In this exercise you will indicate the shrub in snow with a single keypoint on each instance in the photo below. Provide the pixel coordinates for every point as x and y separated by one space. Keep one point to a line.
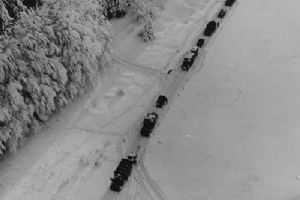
147 32
140 8
144 14
115 8
47 58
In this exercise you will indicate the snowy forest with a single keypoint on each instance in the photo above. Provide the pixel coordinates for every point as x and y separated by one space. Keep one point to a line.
52 51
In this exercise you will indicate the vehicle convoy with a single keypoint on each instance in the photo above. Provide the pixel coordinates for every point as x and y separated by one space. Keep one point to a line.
148 124
161 101
124 169
229 2
122 173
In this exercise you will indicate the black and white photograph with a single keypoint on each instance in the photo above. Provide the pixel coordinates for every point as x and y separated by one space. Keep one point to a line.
149 100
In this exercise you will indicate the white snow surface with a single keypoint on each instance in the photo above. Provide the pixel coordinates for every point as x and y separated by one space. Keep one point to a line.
77 151
233 133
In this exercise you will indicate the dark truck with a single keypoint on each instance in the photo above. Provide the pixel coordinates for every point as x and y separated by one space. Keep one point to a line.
148 124
210 28
200 42
122 173
222 13
229 3
161 101
189 59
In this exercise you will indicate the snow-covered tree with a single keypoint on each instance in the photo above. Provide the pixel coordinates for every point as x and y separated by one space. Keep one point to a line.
32 3
147 32
82 41
4 17
9 10
47 57
144 14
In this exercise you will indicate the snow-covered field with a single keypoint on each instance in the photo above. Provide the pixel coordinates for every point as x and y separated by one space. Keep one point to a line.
233 133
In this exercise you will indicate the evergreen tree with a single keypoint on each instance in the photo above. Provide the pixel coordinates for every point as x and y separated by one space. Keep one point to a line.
148 34
144 14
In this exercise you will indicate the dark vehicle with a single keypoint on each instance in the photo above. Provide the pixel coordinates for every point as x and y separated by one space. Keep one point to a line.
195 51
210 28
229 3
222 13
189 59
161 101
200 43
132 157
187 63
122 173
148 124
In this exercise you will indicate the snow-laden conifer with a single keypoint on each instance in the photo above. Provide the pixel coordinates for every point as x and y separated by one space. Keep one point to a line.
47 57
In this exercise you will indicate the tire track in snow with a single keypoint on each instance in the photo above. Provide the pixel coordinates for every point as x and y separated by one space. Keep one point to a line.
155 72
147 180
87 131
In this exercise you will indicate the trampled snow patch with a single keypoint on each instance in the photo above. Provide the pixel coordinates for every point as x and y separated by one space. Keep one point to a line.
123 93
130 91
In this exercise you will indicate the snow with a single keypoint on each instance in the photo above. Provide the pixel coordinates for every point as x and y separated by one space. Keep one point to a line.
177 27
233 131
74 158
128 91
